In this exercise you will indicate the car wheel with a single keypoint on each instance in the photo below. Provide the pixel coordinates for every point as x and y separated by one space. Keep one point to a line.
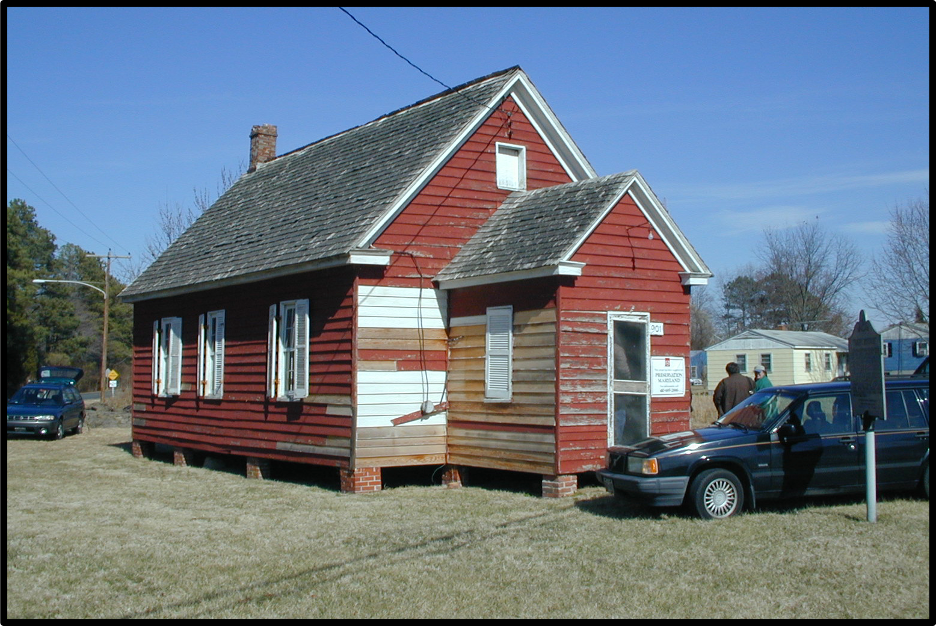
80 427
717 494
59 430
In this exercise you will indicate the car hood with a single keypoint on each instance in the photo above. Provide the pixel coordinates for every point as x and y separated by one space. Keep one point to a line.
700 438
32 409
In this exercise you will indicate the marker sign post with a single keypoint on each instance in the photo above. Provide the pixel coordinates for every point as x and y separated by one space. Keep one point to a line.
866 365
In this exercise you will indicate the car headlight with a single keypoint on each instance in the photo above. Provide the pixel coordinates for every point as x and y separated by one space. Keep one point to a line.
637 465
44 418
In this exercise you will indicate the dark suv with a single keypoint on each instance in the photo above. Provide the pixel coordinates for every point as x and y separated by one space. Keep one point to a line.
48 406
781 442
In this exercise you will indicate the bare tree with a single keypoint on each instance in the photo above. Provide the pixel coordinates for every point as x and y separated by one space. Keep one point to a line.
899 278
174 219
702 331
810 272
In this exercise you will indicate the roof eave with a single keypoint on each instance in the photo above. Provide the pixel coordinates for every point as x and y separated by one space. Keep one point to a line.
359 257
562 268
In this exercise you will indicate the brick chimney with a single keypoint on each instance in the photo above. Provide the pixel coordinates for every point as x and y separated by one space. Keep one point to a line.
262 145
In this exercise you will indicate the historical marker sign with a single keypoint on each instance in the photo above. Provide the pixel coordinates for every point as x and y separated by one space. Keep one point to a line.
866 365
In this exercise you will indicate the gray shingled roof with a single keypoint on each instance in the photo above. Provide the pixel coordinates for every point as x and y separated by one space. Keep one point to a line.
535 229
319 201
754 338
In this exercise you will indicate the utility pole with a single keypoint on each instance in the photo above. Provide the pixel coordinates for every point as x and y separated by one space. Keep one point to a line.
107 268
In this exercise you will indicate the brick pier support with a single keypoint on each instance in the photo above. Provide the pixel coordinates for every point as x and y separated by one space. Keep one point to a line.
142 449
455 476
361 480
258 468
560 486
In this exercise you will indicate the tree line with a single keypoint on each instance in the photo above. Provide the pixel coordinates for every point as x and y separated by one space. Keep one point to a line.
805 275
57 323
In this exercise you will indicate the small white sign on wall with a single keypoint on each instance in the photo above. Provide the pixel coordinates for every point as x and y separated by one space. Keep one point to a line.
667 376
656 328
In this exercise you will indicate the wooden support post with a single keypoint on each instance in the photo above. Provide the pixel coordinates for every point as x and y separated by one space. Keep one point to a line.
455 476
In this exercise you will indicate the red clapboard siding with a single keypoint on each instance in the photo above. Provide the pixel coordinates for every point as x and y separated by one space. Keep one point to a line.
243 421
624 269
461 196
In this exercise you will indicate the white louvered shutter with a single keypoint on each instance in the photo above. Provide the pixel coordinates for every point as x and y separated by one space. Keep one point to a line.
202 385
272 354
302 349
172 339
217 339
156 374
498 364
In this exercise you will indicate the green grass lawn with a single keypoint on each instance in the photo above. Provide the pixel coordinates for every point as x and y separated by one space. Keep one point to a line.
93 532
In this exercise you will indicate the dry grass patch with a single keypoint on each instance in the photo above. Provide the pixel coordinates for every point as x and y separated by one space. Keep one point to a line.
93 532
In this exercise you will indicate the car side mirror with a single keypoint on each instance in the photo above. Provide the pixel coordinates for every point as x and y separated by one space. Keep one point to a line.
790 433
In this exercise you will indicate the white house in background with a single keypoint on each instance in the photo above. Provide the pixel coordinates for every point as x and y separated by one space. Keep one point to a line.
789 356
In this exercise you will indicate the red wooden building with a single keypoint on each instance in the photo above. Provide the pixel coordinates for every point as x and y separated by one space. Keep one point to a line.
450 284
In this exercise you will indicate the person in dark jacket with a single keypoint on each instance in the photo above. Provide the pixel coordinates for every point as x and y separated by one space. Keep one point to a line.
732 389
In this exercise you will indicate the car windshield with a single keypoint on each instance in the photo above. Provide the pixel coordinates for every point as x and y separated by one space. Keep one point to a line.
759 410
40 396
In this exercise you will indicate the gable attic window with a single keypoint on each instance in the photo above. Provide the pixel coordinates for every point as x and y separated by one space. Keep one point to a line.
288 351
211 354
498 354
511 167
167 357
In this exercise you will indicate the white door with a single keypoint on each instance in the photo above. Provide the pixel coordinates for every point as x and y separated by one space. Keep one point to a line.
628 372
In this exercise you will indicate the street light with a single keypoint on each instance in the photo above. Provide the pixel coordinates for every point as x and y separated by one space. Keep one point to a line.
106 315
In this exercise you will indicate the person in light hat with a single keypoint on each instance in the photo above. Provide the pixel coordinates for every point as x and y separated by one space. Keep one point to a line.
760 379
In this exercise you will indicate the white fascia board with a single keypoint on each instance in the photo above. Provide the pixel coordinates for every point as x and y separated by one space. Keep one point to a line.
692 279
370 256
540 115
355 257
562 268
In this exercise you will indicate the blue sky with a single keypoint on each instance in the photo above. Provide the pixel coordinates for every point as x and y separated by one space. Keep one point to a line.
738 118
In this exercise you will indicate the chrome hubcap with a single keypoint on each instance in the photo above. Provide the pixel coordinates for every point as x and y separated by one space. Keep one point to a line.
721 498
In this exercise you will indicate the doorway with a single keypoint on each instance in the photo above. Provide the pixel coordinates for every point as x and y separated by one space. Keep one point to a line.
628 371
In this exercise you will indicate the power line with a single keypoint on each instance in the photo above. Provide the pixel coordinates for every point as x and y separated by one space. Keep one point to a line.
63 195
421 70
78 228
389 47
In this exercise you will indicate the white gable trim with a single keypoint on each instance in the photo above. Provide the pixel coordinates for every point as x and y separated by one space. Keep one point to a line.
537 111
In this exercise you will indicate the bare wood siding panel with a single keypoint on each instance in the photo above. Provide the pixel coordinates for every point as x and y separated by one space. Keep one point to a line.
517 435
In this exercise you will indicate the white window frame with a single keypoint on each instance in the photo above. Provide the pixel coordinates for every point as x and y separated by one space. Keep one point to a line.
211 355
766 361
167 357
510 161
827 361
741 360
288 351
920 348
498 354
807 361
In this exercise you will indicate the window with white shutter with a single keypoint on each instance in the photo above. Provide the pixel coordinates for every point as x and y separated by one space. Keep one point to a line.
167 356
211 355
498 365
288 351
511 167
